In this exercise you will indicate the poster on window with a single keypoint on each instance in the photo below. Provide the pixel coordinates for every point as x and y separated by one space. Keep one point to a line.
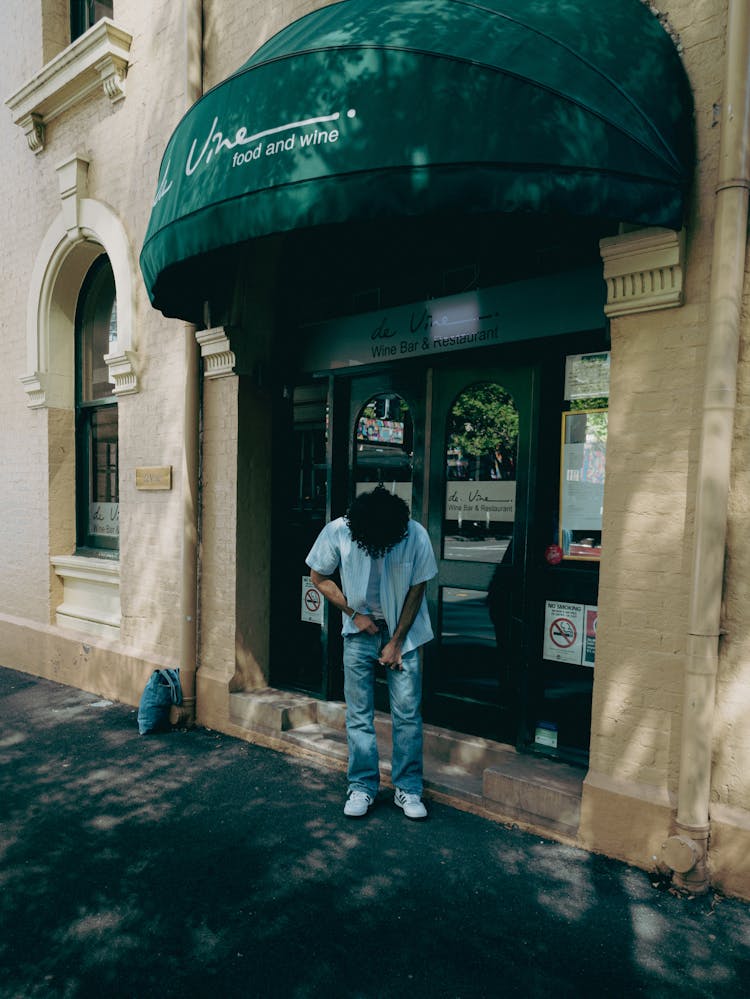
312 602
583 486
582 475
570 633
591 615
563 632
587 376
104 519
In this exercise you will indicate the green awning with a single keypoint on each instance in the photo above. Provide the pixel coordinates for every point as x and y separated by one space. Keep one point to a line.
380 110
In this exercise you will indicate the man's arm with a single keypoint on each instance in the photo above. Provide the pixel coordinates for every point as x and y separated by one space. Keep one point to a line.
334 596
391 654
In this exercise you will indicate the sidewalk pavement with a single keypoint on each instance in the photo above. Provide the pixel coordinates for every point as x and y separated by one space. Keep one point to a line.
192 864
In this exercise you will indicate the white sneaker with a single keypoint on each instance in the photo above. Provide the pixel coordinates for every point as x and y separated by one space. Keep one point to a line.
357 804
411 804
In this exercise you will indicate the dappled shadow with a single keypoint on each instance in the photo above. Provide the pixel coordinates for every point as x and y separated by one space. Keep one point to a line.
645 566
190 862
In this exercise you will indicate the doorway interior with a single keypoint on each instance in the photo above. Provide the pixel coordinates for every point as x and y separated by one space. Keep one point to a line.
472 443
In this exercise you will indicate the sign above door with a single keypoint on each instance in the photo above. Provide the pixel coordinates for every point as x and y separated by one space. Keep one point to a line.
523 310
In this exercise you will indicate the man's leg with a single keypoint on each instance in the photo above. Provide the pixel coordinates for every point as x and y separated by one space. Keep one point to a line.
360 655
405 689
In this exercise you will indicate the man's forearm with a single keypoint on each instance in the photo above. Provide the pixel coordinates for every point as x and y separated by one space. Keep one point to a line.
409 611
330 591
333 594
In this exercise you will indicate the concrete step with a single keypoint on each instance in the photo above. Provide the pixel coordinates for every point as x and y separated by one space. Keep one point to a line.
272 710
466 771
538 791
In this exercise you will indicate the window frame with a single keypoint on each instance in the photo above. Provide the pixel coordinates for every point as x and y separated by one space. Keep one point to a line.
81 17
85 416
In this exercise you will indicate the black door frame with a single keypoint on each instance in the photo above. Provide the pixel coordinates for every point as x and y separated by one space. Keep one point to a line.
539 580
500 721
350 391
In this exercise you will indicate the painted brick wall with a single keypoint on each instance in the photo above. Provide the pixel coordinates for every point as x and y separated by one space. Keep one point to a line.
124 144
219 525
657 385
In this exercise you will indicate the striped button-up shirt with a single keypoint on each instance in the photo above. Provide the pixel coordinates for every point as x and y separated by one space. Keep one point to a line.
408 563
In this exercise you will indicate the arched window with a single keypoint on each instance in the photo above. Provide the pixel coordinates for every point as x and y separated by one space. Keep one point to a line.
384 445
85 13
97 469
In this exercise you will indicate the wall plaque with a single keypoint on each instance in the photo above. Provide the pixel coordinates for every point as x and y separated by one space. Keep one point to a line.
154 477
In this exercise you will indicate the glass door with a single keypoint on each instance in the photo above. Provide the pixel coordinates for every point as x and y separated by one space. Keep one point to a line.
480 446
301 487
386 420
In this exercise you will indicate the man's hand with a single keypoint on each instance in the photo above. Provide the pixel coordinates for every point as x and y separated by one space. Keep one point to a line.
332 593
390 655
363 622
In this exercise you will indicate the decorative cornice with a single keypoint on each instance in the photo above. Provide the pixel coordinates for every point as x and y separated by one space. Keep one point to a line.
36 392
99 58
123 372
33 128
643 270
216 351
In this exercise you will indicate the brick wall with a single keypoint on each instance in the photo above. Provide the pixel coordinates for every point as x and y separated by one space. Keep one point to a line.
657 385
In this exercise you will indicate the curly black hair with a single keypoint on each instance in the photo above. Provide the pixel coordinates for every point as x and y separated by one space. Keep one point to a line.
378 520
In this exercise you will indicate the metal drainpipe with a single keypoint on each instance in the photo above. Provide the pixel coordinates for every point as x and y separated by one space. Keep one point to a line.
687 851
193 38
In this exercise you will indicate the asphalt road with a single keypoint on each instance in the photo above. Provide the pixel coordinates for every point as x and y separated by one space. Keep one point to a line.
192 864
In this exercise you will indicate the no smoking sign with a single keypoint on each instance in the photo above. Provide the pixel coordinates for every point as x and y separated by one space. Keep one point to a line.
563 633
312 602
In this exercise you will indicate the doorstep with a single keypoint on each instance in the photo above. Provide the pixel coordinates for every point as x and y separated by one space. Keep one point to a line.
464 771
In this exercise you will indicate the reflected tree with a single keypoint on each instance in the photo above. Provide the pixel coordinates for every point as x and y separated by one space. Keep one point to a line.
483 426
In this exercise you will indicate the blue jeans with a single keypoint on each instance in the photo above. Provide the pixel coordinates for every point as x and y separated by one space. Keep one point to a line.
405 690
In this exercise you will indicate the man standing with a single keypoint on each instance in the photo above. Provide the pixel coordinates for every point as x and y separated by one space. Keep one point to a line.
385 560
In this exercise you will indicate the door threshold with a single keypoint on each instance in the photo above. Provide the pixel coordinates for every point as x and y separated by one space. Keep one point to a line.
464 771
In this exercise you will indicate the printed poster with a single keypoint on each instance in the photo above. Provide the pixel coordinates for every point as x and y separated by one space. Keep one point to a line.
589 641
570 633
563 632
312 602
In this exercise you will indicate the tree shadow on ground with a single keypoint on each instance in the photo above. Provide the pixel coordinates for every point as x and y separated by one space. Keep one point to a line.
191 863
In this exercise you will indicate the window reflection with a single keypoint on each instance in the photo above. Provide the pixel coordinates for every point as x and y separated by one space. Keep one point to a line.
466 619
480 472
384 445
468 665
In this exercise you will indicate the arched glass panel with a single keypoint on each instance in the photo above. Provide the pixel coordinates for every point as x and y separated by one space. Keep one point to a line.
384 445
97 436
97 310
480 471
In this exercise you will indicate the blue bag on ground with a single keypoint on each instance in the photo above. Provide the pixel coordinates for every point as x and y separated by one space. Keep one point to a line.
160 693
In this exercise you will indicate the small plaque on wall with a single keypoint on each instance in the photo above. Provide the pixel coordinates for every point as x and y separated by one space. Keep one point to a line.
155 477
